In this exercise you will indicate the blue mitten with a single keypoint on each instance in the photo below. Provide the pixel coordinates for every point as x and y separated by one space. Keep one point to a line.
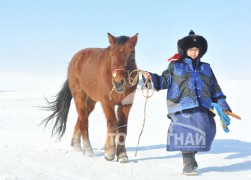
224 119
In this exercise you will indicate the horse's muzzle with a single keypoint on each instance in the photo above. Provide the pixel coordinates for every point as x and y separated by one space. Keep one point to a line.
119 86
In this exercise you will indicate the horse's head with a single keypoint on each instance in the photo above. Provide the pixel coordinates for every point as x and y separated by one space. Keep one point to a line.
122 53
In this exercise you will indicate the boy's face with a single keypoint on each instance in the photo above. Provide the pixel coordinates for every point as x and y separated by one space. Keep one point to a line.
193 52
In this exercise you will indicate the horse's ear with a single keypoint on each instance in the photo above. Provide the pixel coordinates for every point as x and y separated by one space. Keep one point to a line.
134 39
111 38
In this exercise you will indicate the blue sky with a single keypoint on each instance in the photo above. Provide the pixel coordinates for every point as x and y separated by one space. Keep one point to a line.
42 36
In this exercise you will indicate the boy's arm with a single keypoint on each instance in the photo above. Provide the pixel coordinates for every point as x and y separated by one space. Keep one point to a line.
217 94
163 81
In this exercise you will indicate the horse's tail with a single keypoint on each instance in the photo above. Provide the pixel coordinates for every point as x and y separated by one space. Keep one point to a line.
60 108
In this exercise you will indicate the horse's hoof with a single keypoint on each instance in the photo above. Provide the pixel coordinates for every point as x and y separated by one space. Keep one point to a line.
109 157
77 148
110 153
89 152
76 145
123 158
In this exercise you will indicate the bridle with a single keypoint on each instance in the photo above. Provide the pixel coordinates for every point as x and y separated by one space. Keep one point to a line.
127 81
131 81
114 71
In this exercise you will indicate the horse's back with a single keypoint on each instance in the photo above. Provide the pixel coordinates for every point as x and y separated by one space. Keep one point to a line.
88 54
85 68
87 59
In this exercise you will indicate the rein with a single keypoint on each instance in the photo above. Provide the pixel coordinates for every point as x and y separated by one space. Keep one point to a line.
132 82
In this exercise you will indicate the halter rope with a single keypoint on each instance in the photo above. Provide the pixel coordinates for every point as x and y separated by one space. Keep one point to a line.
132 82
147 96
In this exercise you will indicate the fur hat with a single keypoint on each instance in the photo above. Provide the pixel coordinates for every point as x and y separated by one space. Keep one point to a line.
190 41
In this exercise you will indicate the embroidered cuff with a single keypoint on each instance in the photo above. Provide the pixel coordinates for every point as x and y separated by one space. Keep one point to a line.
223 104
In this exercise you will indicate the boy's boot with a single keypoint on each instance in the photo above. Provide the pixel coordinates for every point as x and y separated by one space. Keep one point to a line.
194 161
188 162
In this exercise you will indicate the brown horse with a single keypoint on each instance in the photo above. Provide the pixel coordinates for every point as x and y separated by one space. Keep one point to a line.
98 74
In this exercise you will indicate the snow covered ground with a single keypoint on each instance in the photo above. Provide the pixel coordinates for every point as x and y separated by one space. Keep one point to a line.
27 151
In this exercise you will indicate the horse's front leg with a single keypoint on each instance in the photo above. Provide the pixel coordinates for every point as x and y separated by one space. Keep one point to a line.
112 123
122 113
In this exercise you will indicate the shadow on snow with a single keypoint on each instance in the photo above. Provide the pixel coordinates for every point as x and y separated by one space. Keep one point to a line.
237 150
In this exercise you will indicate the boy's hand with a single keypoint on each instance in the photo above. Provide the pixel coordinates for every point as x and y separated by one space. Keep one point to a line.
146 75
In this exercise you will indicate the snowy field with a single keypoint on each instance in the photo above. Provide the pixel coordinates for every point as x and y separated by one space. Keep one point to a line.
27 151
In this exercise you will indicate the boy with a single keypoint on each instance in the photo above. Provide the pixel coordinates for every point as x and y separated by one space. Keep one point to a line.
192 87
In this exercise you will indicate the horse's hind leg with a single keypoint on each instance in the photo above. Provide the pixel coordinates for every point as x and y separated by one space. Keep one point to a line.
90 105
76 139
84 106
